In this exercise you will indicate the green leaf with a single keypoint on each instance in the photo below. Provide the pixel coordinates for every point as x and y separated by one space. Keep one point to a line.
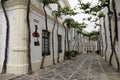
47 2
101 14
89 18
85 6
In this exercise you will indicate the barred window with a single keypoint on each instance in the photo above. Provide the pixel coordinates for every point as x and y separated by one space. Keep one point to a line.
59 44
45 43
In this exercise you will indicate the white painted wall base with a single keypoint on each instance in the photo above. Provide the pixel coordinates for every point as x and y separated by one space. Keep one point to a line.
22 69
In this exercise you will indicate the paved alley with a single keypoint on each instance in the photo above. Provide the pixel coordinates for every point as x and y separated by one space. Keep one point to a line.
84 67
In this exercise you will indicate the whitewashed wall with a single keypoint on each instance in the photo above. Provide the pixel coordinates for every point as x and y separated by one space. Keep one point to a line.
117 2
37 50
107 29
17 55
3 35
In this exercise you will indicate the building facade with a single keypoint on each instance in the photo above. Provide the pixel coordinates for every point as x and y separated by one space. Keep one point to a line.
17 51
115 34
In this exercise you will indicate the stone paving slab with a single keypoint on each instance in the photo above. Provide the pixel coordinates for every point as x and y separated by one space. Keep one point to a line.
84 67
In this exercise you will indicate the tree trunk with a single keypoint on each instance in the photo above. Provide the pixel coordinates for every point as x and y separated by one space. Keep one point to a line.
78 46
105 37
116 57
112 45
4 68
116 35
112 52
65 44
29 39
78 42
110 40
53 41
44 56
68 41
89 45
81 43
74 47
58 56
101 41
101 45
98 46
116 21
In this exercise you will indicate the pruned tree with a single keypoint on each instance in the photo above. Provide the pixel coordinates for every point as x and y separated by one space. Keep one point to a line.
65 11
69 22
46 3
56 14
29 39
78 27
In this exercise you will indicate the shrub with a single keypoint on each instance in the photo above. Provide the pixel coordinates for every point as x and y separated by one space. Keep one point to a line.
70 54
67 54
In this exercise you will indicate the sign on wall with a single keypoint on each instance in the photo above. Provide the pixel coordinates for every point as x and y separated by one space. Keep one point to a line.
36 36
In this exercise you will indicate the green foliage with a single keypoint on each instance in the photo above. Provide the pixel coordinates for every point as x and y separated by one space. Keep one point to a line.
68 21
96 19
47 2
56 13
103 2
87 11
85 6
72 24
94 26
89 18
63 11
67 11
68 53
95 9
84 19
97 24
94 13
101 14
72 53
91 35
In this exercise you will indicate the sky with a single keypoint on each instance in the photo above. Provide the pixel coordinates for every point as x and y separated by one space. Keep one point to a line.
79 17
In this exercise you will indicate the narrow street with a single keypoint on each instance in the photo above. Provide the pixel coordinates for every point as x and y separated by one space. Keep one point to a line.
84 67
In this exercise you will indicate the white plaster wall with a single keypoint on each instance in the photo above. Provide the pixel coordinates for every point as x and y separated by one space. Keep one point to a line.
108 35
3 35
36 51
107 28
102 33
118 16
17 59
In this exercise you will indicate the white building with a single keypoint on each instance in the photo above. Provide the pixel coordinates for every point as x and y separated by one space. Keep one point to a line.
114 8
17 54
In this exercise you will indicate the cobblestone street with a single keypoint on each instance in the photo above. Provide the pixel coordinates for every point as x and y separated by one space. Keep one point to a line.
84 67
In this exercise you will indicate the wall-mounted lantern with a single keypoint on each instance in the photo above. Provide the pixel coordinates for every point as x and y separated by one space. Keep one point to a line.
36 36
